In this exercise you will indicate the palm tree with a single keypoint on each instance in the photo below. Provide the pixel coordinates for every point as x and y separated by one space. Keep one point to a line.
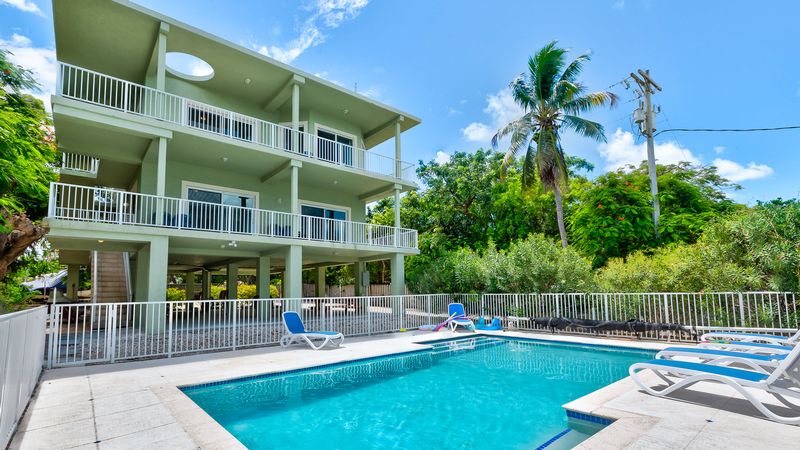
552 99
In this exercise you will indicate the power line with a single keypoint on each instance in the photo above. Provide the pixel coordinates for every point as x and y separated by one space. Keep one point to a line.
711 130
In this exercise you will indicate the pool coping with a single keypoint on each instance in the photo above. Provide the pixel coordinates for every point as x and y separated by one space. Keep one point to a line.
208 433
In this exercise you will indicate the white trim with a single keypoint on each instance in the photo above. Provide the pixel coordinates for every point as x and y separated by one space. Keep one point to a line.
323 127
302 123
185 185
331 206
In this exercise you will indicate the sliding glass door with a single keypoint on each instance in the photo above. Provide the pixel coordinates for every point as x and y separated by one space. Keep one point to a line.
324 223
334 147
219 210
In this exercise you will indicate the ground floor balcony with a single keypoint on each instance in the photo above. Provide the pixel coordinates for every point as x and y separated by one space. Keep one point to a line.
110 206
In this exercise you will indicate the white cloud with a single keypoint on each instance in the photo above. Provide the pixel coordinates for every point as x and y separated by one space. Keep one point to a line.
621 150
442 157
23 5
735 172
41 61
619 4
327 15
502 110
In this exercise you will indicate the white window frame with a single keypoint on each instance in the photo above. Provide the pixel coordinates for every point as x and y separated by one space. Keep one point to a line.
323 127
185 185
345 209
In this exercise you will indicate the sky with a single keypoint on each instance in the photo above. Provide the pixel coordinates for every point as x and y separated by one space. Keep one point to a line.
721 64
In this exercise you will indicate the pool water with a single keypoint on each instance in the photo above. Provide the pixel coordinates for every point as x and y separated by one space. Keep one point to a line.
474 393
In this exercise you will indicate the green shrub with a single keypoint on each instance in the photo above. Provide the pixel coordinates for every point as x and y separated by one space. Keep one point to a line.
176 294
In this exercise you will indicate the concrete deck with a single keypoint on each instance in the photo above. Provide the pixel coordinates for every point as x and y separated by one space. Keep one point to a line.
139 405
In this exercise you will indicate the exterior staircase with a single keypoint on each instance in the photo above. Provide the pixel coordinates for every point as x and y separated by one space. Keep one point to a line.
111 277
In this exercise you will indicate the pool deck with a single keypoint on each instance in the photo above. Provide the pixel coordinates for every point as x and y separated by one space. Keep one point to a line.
138 404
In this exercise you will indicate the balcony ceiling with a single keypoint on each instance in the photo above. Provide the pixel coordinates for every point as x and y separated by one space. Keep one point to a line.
118 37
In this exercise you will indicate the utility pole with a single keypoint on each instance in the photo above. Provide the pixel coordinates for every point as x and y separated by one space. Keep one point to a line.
646 84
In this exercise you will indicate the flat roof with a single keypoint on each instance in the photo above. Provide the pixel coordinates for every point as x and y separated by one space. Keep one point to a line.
118 37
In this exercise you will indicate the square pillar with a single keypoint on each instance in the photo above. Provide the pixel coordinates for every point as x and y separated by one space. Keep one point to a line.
293 279
73 281
189 285
294 191
151 284
262 277
206 285
320 284
397 263
397 151
233 281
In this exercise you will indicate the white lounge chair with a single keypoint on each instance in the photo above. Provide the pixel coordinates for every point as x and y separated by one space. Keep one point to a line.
783 382
772 339
717 357
747 347
296 332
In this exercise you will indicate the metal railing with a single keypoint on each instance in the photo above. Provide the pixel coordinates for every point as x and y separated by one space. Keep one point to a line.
103 205
108 332
99 89
79 163
22 349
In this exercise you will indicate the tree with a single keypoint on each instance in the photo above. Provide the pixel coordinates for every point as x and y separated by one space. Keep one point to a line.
551 98
613 217
27 157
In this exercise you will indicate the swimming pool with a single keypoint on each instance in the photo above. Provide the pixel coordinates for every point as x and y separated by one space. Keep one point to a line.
481 392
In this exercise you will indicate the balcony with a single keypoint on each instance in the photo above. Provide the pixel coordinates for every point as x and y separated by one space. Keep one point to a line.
121 95
79 165
102 205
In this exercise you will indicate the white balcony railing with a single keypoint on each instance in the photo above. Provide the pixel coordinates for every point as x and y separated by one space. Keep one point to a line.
79 163
104 90
103 205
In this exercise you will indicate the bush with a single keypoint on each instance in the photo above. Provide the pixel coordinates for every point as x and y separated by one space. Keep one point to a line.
176 294
536 264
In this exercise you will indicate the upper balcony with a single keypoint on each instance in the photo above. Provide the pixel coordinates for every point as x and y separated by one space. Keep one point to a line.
122 208
103 90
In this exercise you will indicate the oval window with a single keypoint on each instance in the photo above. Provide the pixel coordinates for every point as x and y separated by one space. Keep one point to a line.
189 66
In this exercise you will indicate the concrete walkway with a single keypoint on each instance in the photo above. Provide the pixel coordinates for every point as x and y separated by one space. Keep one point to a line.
138 404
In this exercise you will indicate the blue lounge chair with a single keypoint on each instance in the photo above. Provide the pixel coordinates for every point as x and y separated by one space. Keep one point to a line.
460 319
752 337
782 383
753 361
296 332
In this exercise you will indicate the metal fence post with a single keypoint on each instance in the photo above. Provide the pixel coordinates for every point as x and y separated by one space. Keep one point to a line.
428 307
111 335
369 316
605 307
666 314
169 332
741 310
235 329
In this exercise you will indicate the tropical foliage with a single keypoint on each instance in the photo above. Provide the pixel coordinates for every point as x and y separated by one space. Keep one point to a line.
552 99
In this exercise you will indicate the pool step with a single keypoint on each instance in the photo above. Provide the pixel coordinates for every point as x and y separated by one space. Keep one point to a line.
462 345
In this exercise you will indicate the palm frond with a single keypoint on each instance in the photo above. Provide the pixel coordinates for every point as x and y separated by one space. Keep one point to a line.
521 123
584 127
575 68
548 64
529 166
589 101
521 92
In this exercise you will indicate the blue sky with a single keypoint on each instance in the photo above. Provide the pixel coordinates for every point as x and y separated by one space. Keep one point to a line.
722 64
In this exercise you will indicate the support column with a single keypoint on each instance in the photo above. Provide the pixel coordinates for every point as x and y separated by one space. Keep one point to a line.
189 285
161 167
233 281
161 56
293 279
397 216
262 277
151 283
73 281
359 269
398 157
294 191
397 262
320 283
206 285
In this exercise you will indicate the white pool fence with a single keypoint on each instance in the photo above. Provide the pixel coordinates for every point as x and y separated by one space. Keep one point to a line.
109 332
22 346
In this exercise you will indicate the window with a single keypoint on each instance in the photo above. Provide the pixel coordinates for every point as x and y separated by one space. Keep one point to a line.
321 229
334 147
216 209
